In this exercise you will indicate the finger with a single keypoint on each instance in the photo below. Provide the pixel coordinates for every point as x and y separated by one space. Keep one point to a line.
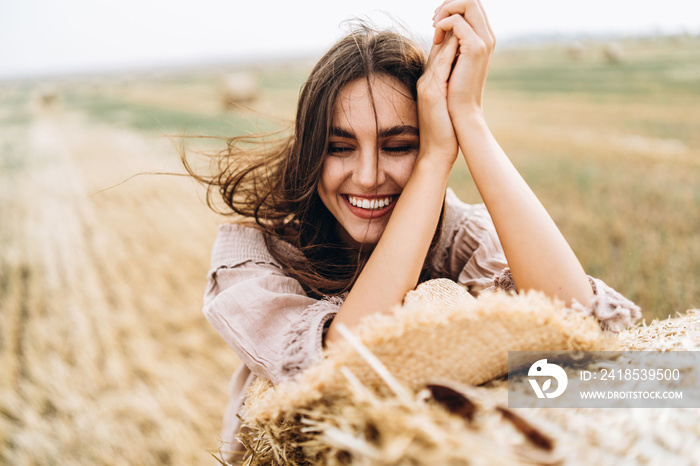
468 40
437 10
434 50
442 27
445 57
488 23
439 36
442 53
473 13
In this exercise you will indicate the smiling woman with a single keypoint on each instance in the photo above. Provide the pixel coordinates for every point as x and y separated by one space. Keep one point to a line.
352 211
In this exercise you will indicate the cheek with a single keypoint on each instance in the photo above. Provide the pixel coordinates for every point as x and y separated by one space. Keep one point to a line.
333 173
402 170
332 176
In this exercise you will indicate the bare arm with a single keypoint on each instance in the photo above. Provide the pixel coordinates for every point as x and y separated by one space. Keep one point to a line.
538 255
449 104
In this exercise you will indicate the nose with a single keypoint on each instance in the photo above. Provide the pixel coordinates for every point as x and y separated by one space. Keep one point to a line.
368 173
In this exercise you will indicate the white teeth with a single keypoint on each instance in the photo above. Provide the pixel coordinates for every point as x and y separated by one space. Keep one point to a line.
368 204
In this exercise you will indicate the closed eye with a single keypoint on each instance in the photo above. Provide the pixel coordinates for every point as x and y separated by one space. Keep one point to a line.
399 150
334 149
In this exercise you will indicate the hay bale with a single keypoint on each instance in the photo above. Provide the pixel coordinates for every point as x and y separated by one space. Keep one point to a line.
423 429
46 99
681 333
576 51
466 343
237 88
613 53
327 412
403 391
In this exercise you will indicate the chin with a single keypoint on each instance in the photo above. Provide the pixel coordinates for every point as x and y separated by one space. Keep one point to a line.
367 238
367 241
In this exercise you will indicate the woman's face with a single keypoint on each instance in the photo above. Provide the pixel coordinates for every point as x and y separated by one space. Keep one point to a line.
370 157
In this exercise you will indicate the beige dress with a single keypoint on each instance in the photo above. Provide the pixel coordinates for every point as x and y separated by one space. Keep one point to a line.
277 330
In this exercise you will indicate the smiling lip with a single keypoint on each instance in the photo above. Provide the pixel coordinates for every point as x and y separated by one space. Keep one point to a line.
370 213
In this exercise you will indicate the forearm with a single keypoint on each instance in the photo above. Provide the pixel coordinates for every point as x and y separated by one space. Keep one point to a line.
538 255
396 262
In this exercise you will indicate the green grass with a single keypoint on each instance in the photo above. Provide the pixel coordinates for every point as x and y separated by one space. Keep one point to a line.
15 104
113 108
290 79
646 71
151 118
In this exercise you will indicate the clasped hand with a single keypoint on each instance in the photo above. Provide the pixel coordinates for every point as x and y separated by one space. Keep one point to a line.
452 85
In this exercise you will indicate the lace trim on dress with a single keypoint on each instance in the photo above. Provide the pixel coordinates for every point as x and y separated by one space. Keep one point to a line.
503 281
613 311
304 341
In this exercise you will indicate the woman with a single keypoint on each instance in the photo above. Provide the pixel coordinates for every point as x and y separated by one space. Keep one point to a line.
352 211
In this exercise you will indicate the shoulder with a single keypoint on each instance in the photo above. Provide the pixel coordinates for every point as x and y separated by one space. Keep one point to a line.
240 257
237 244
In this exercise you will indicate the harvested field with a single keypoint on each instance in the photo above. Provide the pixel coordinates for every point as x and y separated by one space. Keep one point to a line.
105 357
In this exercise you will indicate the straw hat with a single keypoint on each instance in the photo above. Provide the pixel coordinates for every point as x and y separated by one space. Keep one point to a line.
439 333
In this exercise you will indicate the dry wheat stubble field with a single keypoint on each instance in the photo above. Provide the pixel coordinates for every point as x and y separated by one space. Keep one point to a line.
104 355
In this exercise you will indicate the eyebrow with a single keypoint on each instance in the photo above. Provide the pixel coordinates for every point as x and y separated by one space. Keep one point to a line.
398 130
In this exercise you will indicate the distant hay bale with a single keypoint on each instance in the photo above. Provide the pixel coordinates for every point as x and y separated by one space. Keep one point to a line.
576 51
239 88
406 408
46 99
613 53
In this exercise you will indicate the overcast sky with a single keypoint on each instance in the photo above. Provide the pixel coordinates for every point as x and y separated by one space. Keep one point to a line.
43 37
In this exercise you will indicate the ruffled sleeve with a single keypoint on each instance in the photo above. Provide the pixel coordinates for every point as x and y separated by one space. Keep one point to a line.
261 313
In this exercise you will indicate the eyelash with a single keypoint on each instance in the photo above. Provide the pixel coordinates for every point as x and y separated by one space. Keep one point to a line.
399 149
395 150
338 150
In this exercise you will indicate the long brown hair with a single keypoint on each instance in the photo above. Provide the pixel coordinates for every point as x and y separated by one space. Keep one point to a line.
272 181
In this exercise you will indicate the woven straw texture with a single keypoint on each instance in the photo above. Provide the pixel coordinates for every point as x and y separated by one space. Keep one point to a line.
421 403
453 337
